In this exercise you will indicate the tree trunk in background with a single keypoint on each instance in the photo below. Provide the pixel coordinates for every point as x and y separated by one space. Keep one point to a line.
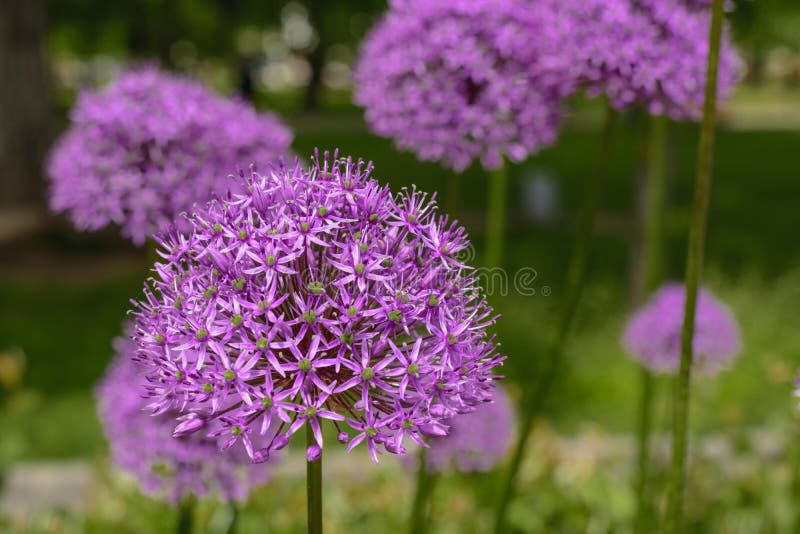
24 114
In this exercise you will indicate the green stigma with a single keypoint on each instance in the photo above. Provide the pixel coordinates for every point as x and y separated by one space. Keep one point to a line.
395 316
304 226
352 311
179 374
311 411
362 247
408 423
271 259
367 373
322 210
218 228
242 234
210 292
359 268
201 334
346 184
371 431
412 217
159 338
388 262
266 402
263 305
304 364
236 430
433 300
228 374
262 343
315 288
347 338
238 284
373 217
208 388
452 339
310 316
413 369
236 320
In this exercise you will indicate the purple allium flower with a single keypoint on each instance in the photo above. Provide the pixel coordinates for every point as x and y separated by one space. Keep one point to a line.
149 146
477 441
648 52
143 445
653 335
459 80
317 296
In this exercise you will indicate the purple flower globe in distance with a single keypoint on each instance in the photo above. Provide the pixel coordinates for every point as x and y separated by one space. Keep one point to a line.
653 335
316 296
639 52
143 445
458 80
149 146
477 441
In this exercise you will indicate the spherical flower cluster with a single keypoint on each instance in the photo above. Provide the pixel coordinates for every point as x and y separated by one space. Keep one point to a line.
653 334
459 80
143 445
477 441
639 52
149 146
316 296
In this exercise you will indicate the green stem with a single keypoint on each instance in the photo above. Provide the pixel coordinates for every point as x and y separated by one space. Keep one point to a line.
496 216
642 524
536 396
651 265
186 515
233 525
453 193
694 264
419 511
314 488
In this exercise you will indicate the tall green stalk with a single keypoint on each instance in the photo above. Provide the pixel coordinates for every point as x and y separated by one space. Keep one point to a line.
535 396
420 515
186 515
651 268
496 216
694 264
314 488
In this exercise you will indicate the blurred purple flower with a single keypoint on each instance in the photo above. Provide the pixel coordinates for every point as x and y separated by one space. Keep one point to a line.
143 445
653 335
459 80
149 146
477 441
316 296
638 52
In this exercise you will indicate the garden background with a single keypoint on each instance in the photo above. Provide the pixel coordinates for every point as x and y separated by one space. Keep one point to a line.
64 294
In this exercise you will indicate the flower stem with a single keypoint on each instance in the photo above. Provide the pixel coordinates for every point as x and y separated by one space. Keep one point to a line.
419 515
314 488
535 396
694 264
453 193
496 216
233 525
186 515
651 268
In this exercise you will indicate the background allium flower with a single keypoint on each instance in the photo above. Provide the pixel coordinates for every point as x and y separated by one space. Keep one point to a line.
318 296
653 334
149 146
647 52
143 445
477 441
458 80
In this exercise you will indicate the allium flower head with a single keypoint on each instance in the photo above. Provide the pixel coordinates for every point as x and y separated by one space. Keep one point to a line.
143 445
477 441
317 296
653 334
149 146
459 80
639 52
